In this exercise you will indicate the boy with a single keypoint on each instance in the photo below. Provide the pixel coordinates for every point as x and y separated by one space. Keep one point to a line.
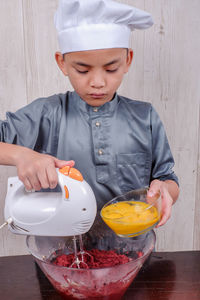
117 144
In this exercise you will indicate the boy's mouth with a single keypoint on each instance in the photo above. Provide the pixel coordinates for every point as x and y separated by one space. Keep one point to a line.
97 96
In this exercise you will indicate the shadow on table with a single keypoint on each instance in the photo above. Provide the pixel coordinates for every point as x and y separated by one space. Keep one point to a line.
155 281
47 291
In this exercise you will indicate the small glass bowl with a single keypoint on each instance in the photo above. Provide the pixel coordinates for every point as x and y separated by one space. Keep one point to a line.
133 213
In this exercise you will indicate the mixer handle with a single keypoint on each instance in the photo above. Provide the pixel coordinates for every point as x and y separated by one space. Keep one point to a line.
70 172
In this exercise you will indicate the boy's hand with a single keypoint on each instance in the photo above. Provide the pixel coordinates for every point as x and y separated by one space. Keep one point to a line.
166 199
37 170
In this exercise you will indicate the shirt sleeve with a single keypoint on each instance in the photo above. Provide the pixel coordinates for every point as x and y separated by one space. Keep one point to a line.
162 159
34 126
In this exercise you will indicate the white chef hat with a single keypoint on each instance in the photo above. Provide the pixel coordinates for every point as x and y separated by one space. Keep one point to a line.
97 24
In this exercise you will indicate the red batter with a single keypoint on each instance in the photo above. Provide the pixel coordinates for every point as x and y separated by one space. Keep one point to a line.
101 282
95 259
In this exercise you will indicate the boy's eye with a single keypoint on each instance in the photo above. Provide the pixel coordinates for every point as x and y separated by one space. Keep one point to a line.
111 71
81 72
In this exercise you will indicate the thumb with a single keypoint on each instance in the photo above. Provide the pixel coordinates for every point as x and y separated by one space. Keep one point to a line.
62 163
154 190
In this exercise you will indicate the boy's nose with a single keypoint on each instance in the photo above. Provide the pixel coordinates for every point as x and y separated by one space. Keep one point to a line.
97 81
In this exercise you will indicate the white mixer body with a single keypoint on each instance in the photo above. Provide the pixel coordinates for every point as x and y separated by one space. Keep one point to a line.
67 213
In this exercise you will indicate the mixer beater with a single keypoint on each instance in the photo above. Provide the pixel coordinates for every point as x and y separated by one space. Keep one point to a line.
79 255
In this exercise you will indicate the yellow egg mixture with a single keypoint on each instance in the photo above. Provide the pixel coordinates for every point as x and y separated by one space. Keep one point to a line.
130 217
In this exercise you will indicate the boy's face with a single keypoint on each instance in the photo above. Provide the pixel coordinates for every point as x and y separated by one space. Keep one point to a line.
96 74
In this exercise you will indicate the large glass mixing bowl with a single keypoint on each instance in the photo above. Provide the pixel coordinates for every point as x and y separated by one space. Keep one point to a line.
106 283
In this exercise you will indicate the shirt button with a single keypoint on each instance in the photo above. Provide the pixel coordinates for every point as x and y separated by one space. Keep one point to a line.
95 109
100 151
97 124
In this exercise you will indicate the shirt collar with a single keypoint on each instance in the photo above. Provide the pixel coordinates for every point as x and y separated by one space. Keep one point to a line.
108 107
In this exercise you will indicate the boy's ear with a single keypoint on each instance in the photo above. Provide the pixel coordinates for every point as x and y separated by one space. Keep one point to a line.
61 62
129 59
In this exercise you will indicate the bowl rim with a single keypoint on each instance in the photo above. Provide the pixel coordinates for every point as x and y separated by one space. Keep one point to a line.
94 269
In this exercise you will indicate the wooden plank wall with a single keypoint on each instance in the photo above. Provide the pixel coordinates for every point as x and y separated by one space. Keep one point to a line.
165 71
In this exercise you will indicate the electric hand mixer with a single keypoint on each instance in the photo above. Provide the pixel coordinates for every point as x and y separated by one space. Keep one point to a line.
69 213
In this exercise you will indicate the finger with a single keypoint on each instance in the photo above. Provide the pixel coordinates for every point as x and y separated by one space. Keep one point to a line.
63 163
34 181
166 212
52 176
27 184
43 179
165 217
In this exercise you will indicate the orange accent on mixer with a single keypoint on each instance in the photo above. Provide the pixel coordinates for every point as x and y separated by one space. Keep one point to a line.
72 173
75 174
65 170
66 192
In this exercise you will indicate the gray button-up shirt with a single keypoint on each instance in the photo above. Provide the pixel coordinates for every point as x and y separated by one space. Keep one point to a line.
118 146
